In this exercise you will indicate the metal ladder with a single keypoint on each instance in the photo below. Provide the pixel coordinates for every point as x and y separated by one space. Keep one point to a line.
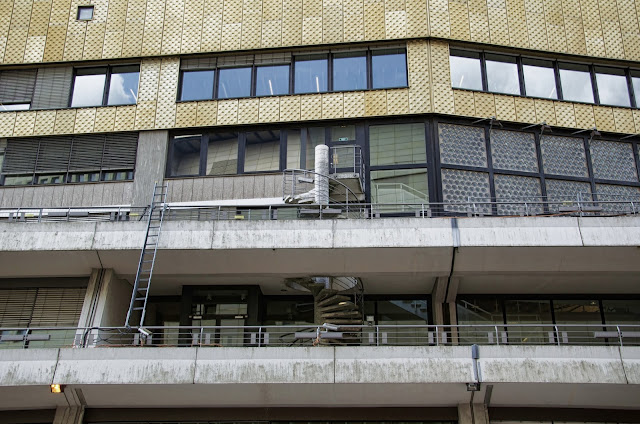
141 287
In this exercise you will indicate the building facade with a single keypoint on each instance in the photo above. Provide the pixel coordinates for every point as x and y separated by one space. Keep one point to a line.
364 211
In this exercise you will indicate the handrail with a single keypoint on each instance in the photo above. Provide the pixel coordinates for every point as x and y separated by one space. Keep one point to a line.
305 335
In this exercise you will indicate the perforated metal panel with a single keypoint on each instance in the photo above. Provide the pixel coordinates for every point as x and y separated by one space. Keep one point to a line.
610 197
513 188
613 161
560 190
465 186
515 151
563 156
462 145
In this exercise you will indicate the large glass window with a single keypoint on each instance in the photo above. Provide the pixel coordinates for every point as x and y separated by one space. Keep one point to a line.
621 311
480 311
311 73
407 188
197 85
262 151
90 86
349 71
234 82
539 78
502 74
222 154
397 144
389 68
123 86
528 312
315 137
612 87
576 83
465 70
272 80
294 149
185 159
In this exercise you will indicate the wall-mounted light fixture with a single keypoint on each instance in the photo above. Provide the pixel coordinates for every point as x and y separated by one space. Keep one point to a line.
57 388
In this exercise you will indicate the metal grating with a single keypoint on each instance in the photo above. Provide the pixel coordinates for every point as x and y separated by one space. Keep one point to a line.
464 186
563 156
462 145
515 151
517 189
613 161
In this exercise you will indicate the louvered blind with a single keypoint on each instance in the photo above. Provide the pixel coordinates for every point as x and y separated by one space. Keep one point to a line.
86 153
42 307
78 153
120 151
53 155
17 86
20 155
53 87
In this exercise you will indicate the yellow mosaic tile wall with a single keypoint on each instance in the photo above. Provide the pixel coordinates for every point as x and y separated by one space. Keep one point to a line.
429 92
47 30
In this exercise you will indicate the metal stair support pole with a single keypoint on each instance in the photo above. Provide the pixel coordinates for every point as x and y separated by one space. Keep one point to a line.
142 284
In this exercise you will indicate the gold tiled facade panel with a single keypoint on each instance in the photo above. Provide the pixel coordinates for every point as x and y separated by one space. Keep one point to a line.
47 30
248 110
166 106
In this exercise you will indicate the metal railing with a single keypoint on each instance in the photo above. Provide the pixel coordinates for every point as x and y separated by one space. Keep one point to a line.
312 335
471 208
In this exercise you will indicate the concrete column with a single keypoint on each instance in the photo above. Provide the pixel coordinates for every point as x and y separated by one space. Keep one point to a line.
322 168
151 160
438 298
113 301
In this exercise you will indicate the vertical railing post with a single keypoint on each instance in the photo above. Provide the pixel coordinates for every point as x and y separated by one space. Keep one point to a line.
377 336
201 336
619 335
497 336
555 327
260 337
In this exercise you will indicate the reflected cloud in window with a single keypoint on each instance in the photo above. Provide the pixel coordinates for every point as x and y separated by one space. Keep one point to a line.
612 87
539 79
576 83
123 88
502 74
88 90
465 71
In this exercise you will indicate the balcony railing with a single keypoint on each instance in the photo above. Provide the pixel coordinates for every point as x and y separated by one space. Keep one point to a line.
310 335
574 206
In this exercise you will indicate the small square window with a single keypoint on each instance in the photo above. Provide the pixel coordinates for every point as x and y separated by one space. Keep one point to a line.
85 13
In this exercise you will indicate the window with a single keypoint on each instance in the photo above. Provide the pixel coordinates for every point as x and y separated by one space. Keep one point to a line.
388 68
186 156
197 85
16 89
234 82
77 159
311 74
465 70
546 79
502 74
612 86
349 71
116 85
539 78
85 13
222 154
262 151
576 83
272 80
397 144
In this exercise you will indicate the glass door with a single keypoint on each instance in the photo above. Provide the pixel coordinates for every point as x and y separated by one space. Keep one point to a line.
214 309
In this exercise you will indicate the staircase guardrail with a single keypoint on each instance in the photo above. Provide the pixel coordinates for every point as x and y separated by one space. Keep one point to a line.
305 335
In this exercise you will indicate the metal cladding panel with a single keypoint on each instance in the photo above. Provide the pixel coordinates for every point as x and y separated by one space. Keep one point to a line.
52 88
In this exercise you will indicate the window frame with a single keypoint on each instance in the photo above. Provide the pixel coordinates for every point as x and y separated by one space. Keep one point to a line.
367 52
109 70
85 7
629 73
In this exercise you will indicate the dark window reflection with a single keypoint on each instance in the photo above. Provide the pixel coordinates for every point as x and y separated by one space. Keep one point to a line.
222 154
186 156
539 79
621 311
529 312
262 151
502 74
197 85
349 71
576 83
612 87
389 69
311 74
289 312
465 70
272 80
234 82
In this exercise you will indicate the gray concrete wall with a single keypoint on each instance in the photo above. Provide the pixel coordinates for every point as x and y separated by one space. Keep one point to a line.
325 376
66 195
224 188
151 159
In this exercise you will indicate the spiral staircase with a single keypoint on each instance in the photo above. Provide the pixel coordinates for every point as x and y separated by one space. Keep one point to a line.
337 303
